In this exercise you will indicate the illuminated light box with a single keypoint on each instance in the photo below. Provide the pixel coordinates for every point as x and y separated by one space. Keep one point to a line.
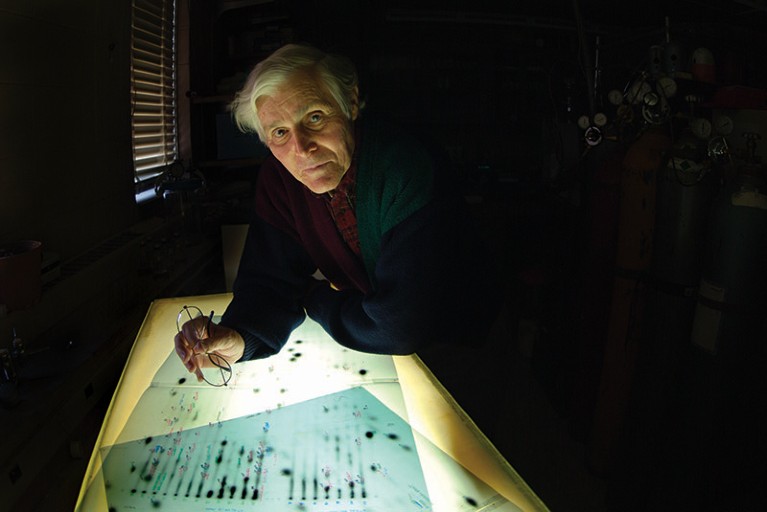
316 427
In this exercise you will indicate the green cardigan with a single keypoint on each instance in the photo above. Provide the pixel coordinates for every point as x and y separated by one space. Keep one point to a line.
390 188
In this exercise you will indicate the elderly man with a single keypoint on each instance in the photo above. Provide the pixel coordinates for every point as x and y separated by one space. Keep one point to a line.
354 226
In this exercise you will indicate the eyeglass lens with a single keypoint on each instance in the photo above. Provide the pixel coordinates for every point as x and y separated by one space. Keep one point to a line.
219 373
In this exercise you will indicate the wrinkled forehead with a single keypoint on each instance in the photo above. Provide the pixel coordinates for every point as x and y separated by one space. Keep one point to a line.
301 92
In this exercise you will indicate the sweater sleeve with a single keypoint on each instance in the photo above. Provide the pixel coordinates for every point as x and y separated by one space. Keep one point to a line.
432 286
272 278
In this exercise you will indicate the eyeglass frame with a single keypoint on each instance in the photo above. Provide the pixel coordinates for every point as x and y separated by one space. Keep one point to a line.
226 368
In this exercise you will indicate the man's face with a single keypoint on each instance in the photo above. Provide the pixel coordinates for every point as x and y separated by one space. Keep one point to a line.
307 131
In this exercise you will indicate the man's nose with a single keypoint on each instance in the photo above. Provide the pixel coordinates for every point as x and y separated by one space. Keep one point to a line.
304 142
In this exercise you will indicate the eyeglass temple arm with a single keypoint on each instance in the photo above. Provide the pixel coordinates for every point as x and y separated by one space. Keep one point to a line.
210 320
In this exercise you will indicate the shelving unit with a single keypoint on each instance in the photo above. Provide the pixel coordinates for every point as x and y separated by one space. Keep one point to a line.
228 38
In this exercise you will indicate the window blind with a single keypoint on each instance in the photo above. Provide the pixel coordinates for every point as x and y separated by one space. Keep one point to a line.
153 87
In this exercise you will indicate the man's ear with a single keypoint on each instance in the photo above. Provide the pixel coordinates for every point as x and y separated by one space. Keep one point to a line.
355 103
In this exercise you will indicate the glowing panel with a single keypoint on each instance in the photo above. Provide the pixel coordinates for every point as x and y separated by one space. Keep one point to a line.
315 427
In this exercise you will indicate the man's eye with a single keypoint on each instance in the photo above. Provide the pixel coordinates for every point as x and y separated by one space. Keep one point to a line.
279 133
315 117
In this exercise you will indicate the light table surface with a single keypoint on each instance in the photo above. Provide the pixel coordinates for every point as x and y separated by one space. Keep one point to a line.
315 427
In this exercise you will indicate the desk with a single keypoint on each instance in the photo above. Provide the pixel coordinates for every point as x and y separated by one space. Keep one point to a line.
315 427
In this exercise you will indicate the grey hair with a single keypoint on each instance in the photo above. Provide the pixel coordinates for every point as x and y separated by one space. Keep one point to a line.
336 72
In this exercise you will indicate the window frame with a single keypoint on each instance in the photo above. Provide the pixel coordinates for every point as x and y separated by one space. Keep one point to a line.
153 89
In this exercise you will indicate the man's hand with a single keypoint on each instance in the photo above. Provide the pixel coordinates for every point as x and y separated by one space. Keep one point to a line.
199 337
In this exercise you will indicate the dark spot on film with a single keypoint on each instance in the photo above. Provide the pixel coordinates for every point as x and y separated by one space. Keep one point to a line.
369 434
471 501
182 380
363 372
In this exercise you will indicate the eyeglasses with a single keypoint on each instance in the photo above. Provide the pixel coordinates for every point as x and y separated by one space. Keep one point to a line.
219 372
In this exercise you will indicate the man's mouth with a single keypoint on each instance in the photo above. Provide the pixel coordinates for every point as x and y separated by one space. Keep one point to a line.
314 168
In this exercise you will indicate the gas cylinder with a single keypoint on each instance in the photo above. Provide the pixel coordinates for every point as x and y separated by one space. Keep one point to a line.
600 230
724 385
731 293
685 190
643 160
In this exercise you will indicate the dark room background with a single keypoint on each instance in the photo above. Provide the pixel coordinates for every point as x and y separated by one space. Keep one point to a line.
497 87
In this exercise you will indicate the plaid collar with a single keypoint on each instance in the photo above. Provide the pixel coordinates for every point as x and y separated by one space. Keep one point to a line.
346 185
